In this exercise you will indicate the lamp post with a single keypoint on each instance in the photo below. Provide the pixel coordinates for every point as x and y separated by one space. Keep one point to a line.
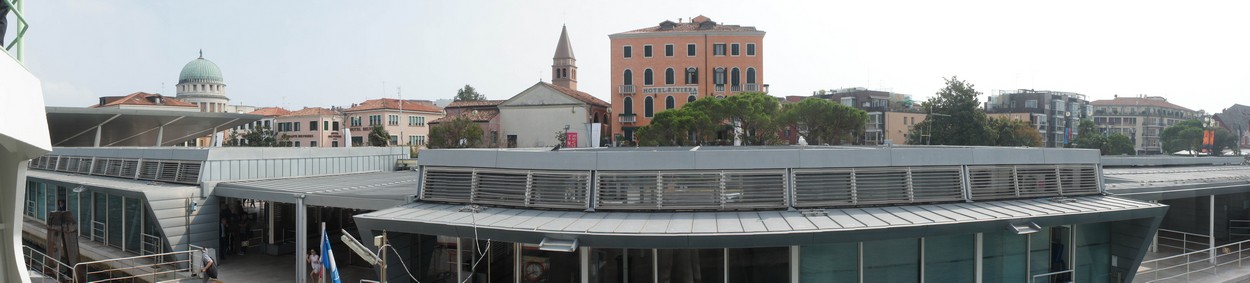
929 136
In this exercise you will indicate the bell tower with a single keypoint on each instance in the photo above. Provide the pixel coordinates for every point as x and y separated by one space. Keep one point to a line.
563 64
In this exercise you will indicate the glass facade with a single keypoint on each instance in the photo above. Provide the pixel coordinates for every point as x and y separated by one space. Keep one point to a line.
1005 257
112 219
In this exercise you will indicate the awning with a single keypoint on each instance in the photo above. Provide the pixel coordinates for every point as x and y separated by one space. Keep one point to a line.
76 127
372 191
1160 183
747 228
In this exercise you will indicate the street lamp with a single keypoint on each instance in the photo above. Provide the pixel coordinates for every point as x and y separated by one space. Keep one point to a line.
930 131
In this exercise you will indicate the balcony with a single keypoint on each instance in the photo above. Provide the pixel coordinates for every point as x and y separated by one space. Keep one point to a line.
751 87
736 88
628 118
628 89
720 87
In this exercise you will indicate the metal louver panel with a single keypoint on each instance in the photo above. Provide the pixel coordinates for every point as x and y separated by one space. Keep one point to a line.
823 187
1079 179
558 189
936 184
100 166
625 190
880 186
1037 180
128 168
992 182
502 187
690 190
150 170
755 189
188 172
447 184
169 171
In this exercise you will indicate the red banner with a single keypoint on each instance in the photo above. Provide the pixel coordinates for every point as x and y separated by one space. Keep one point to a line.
570 139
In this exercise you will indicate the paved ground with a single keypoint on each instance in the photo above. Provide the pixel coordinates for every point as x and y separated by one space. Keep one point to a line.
263 268
1199 269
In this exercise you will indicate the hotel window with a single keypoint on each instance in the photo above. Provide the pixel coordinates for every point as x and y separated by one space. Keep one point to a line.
750 49
392 120
692 75
296 124
334 143
629 77
647 78
312 144
629 51
325 125
312 125
646 51
718 76
690 50
416 121
669 102
734 78
375 120
335 124
750 75
718 49
648 107
297 144
733 49
629 106
668 50
691 98
668 76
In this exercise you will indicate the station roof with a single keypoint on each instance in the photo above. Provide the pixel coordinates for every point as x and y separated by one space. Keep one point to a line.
746 228
1158 183
371 191
76 127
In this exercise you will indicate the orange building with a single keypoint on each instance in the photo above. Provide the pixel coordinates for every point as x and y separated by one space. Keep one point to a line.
664 66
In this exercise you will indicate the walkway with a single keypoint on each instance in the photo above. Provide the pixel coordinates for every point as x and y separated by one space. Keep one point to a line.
263 268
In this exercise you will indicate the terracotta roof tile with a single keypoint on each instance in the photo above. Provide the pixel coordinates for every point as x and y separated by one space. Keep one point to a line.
1134 101
312 111
579 95
142 98
474 103
270 111
698 24
475 115
391 103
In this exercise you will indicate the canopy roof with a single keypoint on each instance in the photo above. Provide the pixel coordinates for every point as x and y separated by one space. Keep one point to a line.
76 127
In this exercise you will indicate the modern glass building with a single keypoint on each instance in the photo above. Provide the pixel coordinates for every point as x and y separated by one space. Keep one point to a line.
765 214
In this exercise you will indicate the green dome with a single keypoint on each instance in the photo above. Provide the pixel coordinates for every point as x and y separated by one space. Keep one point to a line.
200 70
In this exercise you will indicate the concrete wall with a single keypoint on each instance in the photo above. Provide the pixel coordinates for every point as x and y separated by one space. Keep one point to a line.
536 126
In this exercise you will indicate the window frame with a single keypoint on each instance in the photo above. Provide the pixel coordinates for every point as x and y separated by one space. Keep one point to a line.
735 49
750 49
719 49
648 77
648 107
692 50
648 51
669 50
670 76
627 51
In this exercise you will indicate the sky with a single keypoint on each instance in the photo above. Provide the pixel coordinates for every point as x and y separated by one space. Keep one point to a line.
295 54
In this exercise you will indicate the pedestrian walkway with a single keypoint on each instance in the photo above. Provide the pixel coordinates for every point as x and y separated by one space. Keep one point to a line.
1232 264
263 268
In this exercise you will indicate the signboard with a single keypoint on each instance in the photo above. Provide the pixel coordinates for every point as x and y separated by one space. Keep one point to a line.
671 89
570 139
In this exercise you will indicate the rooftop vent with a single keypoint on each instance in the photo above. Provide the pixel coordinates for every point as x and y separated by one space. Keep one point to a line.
667 25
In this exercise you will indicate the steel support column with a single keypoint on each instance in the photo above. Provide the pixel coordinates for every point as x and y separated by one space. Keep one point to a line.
1211 234
301 239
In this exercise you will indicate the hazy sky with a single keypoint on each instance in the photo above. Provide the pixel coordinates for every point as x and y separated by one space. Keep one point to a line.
323 53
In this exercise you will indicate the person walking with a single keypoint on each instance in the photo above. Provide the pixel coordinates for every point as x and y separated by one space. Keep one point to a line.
209 271
314 260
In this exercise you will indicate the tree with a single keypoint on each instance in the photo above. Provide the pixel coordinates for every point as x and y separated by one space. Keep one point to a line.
678 127
1011 132
457 133
1184 135
378 136
955 117
262 136
756 114
1108 144
468 93
821 121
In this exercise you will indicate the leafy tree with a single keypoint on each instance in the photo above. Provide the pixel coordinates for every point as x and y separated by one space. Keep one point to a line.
1011 132
1184 135
955 117
756 114
262 136
457 133
821 121
378 136
678 127
1112 144
468 93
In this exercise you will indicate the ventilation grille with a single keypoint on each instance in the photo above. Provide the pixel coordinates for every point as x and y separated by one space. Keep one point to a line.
1031 181
542 189
713 189
875 186
172 171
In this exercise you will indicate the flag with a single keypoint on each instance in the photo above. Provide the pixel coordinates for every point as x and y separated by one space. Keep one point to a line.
327 258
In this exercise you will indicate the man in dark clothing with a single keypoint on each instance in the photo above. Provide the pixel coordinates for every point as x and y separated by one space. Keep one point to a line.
4 20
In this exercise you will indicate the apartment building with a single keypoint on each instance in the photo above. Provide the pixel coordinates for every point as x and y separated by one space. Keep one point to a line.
405 120
1056 115
887 121
665 66
1142 118
311 127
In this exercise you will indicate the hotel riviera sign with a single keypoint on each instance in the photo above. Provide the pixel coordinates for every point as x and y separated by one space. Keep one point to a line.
671 89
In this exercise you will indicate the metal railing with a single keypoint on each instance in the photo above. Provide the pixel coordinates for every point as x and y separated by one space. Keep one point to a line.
152 244
48 266
1197 265
627 89
152 267
98 230
15 46
1240 228
1183 241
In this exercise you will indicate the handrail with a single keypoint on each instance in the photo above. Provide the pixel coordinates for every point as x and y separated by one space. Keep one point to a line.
58 268
1197 264
15 6
154 266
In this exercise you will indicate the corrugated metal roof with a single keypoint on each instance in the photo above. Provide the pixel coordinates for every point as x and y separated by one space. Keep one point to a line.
598 227
1158 183
377 190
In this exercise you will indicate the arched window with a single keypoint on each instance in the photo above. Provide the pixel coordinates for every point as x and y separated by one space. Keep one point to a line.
750 75
733 77
718 76
691 98
669 102
669 76
648 107
647 77
629 77
692 75
629 105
